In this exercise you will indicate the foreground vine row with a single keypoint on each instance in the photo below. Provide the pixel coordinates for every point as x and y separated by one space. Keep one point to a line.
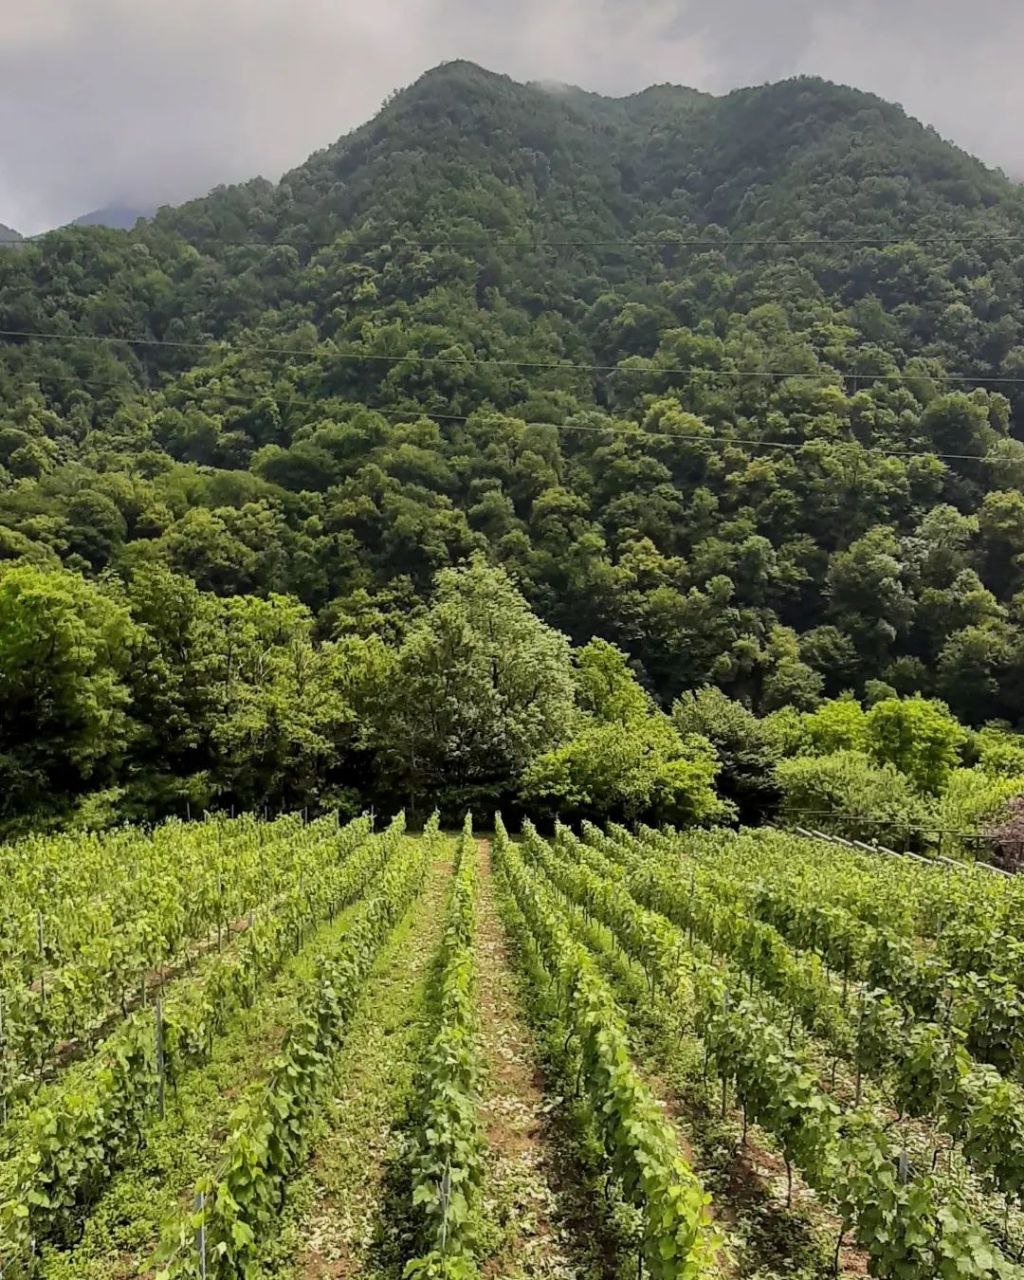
910 1226
446 1158
62 1151
237 1206
678 1237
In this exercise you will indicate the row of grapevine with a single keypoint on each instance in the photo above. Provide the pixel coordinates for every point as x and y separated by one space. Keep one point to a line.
909 897
237 1207
446 1157
966 921
62 873
798 979
986 1008
60 889
679 1240
924 1065
62 1149
71 991
912 1228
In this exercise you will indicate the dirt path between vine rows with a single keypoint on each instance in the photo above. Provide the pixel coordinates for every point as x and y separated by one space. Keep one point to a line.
337 1210
541 1213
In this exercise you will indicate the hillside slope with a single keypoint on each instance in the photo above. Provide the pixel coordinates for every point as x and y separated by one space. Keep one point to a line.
732 382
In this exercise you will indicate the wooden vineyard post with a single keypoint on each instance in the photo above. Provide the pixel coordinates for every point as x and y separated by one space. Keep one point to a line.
3 1076
201 1233
161 1081
860 1047
446 1197
42 957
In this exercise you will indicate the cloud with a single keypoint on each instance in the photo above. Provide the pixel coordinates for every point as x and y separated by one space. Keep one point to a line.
949 63
141 101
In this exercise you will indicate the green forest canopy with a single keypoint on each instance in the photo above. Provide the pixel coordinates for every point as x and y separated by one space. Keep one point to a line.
734 384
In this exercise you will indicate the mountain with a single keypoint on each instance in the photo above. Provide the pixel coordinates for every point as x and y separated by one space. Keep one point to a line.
8 235
733 382
118 216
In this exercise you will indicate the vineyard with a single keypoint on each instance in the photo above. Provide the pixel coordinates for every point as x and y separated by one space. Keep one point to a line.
291 1049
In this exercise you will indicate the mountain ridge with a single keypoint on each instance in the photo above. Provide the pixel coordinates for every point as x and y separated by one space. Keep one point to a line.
629 141
733 383
118 217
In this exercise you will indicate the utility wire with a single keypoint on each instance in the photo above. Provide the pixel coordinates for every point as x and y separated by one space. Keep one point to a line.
641 239
636 432
226 348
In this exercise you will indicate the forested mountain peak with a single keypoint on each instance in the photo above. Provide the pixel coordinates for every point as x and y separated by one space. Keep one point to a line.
800 157
733 383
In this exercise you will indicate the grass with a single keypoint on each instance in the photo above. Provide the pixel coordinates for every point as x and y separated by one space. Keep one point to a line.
123 1229
334 1224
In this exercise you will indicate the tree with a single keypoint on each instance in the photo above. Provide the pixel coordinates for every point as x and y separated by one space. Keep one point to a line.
869 598
746 749
640 769
1001 537
838 725
848 794
790 682
969 668
65 649
175 688
832 654
918 736
974 800
605 687
999 753
283 714
480 687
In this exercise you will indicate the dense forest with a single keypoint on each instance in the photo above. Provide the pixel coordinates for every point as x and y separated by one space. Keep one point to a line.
527 446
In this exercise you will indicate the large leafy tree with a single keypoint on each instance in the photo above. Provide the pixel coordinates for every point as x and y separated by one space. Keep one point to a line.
625 758
847 793
478 688
65 649
746 748
639 769
284 715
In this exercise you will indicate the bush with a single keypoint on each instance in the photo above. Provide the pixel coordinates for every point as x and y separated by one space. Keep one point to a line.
747 750
847 794
644 769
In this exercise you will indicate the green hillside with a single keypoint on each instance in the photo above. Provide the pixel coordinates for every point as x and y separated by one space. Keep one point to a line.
734 383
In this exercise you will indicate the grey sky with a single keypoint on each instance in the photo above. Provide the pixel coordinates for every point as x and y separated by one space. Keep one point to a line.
147 101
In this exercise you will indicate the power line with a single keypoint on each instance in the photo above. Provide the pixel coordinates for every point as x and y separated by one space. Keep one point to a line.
641 239
460 362
637 432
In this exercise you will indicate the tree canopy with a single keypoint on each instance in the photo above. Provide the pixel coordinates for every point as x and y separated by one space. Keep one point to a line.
728 384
